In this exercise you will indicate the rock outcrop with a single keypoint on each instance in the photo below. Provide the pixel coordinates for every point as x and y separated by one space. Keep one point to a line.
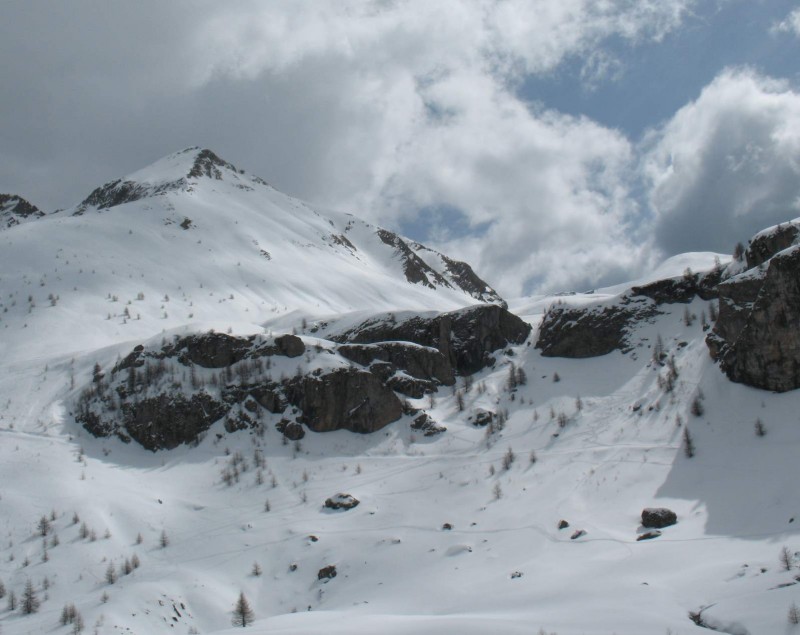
756 337
605 326
466 338
345 398
15 209
594 330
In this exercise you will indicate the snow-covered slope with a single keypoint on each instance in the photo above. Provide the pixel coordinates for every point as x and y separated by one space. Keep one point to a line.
455 533
193 240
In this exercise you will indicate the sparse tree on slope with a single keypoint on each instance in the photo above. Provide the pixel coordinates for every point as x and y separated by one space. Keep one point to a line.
242 613
30 603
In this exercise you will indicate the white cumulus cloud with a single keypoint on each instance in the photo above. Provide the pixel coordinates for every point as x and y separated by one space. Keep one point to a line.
727 164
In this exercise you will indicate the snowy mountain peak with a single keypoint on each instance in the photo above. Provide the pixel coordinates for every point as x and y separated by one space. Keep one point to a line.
175 172
15 209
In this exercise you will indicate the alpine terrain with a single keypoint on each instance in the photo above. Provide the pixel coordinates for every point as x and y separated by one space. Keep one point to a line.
221 407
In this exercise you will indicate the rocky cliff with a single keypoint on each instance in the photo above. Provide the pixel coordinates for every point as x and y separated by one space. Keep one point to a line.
164 395
756 337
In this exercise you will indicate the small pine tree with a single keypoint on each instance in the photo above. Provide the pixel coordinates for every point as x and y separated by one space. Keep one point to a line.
2 590
256 570
135 561
77 624
163 541
760 428
508 459
139 539
30 603
12 601
111 573
738 252
786 558
242 612
460 401
267 506
697 408
497 491
688 443
43 526
532 457
556 377
658 350
794 614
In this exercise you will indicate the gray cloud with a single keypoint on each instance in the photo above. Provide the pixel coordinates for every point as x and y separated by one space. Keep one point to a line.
379 108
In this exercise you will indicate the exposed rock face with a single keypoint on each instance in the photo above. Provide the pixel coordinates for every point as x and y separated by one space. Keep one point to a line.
344 399
342 501
214 350
658 517
15 209
757 335
421 362
461 275
590 331
682 289
119 192
415 268
648 535
766 244
465 338
600 328
167 421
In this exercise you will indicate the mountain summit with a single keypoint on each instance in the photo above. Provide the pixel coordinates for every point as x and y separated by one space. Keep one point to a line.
177 171
221 245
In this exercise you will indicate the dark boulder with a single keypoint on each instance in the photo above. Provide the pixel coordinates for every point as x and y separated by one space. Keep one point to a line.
578 533
658 517
346 399
342 501
290 345
290 429
562 524
425 423
648 535
482 417
327 573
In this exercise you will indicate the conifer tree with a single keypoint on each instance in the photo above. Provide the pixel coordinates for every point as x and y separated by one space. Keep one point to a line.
242 613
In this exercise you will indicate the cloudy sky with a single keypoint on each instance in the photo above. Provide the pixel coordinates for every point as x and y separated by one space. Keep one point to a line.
554 144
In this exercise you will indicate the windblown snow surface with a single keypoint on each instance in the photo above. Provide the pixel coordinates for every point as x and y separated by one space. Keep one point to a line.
503 566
